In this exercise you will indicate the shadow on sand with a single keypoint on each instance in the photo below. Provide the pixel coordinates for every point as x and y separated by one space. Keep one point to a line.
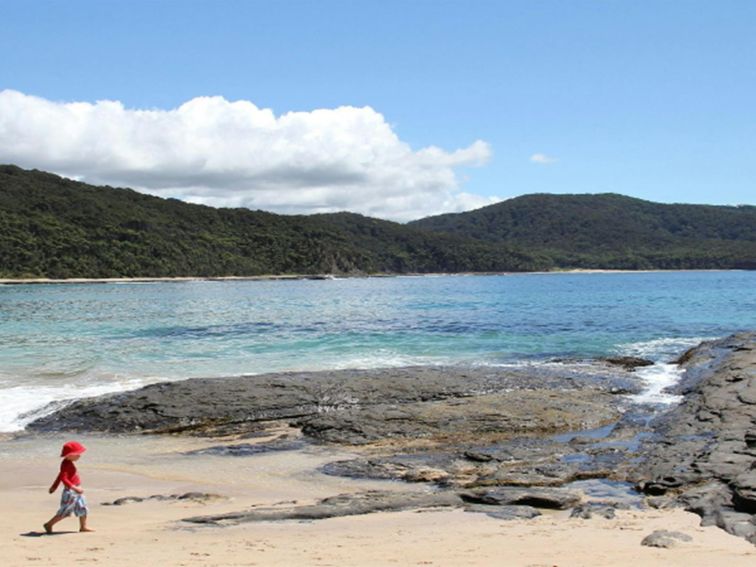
44 533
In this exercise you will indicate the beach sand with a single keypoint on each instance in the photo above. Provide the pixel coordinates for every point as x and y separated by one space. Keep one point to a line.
151 533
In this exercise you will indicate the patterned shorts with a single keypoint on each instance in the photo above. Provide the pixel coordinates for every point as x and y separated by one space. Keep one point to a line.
72 502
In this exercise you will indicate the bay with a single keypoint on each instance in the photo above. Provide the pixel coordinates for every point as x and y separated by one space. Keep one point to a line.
61 342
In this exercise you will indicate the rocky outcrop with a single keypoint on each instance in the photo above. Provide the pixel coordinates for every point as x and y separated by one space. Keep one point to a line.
502 504
506 513
201 497
702 453
360 406
628 362
665 539
337 506
514 496
489 417
590 510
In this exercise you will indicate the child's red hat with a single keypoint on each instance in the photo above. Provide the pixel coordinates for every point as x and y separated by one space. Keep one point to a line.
72 448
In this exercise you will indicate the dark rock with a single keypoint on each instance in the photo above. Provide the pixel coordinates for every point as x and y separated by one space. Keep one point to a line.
661 485
750 439
336 506
421 467
744 492
740 524
660 502
246 404
191 496
706 500
701 452
478 456
665 539
495 417
628 362
363 468
687 356
249 449
516 496
505 512
588 510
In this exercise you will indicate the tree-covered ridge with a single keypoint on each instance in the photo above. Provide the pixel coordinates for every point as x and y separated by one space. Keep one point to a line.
59 228
612 231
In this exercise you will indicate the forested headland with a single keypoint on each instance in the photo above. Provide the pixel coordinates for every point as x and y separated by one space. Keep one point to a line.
610 231
55 227
58 228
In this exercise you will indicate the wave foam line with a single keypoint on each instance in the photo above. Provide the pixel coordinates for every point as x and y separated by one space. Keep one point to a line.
21 405
656 379
662 347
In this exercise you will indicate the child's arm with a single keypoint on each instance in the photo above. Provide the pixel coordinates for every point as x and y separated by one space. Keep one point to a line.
55 484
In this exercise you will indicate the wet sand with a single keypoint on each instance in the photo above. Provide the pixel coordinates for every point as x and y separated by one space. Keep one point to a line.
151 532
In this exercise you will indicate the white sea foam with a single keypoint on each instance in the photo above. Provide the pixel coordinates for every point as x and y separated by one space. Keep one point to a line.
656 379
657 349
382 358
21 405
662 374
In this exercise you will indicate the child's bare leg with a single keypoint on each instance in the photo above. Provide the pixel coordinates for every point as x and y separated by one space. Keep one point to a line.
51 522
83 525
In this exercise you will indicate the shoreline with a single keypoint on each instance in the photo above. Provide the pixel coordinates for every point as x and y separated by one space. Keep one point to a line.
480 436
152 531
299 277
253 487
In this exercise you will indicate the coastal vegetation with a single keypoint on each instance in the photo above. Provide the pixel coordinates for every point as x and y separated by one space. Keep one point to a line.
612 231
59 228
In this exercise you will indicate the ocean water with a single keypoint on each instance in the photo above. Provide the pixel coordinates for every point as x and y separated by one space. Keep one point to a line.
60 342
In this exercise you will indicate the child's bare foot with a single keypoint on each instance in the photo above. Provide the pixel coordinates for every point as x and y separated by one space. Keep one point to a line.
48 528
86 530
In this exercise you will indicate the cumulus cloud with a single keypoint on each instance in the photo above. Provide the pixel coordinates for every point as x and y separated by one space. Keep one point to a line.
233 154
542 159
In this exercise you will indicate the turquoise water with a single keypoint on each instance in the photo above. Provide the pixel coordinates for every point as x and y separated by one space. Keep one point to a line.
65 341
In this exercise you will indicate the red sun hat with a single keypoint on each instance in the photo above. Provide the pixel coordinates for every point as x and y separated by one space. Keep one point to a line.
72 448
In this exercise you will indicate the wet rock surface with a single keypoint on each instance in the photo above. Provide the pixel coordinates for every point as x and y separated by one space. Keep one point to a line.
487 417
701 453
329 405
282 443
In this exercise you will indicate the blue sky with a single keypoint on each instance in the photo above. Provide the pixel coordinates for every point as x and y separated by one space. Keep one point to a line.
655 100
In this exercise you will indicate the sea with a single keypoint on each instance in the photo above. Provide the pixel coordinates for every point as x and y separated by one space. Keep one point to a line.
63 342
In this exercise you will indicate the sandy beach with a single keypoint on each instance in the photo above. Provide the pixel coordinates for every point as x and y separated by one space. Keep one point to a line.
151 532
294 277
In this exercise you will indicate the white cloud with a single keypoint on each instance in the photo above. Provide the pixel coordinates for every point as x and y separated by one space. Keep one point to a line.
542 159
234 154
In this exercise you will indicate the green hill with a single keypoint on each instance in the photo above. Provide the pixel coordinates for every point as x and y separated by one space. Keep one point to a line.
611 231
59 228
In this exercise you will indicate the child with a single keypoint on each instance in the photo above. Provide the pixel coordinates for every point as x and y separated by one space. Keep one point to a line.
72 499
